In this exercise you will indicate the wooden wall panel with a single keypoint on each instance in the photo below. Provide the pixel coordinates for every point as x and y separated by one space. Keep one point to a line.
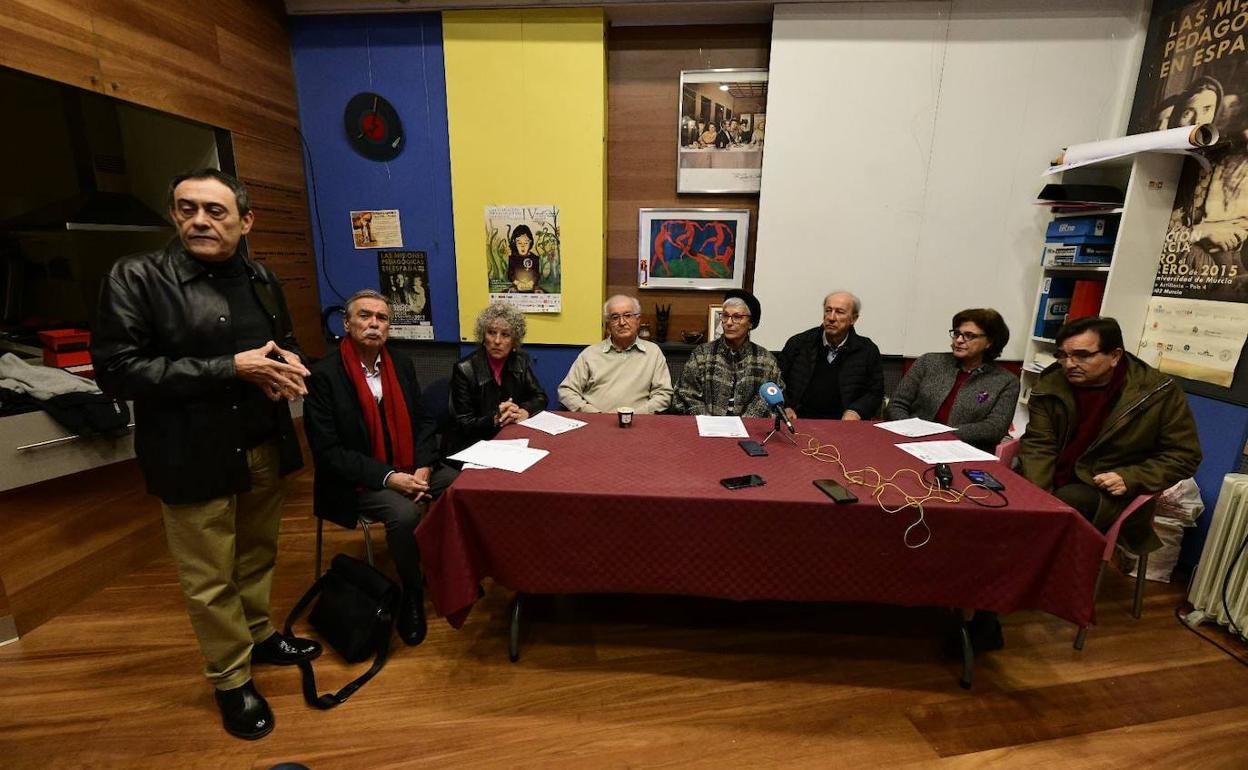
228 68
643 86
50 38
225 64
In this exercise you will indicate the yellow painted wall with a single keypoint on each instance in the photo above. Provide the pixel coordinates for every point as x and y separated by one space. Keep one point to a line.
526 103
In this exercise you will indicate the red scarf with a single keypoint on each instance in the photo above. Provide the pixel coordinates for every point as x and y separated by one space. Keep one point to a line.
398 420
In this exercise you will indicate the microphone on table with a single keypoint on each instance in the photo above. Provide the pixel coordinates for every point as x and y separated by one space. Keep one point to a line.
771 395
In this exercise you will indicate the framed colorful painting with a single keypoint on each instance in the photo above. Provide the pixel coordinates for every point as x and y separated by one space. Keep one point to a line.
692 248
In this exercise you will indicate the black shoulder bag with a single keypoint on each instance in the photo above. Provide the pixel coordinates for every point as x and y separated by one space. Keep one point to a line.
355 616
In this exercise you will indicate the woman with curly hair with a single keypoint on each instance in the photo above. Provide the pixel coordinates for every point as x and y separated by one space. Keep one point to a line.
495 385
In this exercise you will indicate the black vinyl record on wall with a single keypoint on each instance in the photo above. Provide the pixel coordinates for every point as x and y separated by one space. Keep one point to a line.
373 126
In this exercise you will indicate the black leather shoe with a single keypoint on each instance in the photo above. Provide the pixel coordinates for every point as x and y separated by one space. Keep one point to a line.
412 626
244 712
282 650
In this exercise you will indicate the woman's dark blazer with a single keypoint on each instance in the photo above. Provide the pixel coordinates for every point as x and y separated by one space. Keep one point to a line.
475 396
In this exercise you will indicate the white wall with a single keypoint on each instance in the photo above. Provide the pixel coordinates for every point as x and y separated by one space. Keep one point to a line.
905 142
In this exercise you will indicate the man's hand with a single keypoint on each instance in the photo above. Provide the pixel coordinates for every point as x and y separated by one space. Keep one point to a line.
850 414
1110 482
792 415
278 379
413 485
422 477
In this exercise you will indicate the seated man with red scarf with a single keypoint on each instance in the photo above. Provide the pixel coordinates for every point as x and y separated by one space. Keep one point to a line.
373 444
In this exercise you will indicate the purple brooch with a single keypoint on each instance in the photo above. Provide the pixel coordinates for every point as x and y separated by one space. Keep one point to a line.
982 397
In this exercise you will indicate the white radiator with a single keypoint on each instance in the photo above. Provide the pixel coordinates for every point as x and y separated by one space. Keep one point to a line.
1226 534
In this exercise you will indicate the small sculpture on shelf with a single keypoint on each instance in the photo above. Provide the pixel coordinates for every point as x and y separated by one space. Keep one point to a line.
663 314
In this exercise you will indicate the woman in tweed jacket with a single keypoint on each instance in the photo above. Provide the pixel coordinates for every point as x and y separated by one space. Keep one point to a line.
963 388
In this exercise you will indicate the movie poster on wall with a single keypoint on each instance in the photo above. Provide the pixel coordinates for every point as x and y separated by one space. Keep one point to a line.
404 277
376 229
1195 70
720 130
523 262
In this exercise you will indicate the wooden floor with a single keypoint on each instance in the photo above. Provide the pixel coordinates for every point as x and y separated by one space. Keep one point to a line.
113 682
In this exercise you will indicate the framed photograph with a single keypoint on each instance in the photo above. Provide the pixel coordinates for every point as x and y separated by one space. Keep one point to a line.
714 326
720 131
692 248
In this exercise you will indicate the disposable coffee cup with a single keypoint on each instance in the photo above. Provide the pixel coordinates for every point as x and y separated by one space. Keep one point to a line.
626 416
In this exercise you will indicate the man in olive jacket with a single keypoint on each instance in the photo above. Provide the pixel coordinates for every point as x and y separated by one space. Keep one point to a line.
1106 427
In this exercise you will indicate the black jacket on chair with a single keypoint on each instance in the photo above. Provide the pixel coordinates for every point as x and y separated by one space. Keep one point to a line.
475 396
861 375
341 450
165 339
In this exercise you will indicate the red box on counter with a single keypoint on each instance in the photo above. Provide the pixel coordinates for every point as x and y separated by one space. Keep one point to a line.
65 339
64 358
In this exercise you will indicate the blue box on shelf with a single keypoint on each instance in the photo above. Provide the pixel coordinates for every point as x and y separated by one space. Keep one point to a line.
1059 254
1055 294
1076 227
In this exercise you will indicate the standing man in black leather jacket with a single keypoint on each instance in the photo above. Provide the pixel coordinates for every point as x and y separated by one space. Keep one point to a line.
198 335
831 372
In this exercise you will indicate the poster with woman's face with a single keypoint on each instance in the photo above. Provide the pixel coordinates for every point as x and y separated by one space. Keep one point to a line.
523 265
1195 71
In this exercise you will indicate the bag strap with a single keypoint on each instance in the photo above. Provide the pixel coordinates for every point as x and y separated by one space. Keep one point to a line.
329 700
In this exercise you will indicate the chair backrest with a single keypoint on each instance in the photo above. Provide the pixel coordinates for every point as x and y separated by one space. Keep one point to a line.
1007 452
436 398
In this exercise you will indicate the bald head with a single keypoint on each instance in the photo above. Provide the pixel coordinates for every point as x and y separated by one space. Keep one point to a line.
840 313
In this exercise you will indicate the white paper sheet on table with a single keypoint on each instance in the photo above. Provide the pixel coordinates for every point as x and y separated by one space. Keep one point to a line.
914 427
493 454
523 442
721 427
945 452
549 422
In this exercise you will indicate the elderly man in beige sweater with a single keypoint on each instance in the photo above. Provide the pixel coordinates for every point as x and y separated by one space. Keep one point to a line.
620 371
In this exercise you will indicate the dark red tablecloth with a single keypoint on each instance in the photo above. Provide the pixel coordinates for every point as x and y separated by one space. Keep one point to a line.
641 510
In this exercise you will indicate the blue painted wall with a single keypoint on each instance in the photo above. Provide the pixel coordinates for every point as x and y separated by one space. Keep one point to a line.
1223 429
400 57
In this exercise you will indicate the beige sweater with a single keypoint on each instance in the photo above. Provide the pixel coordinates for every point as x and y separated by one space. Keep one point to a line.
603 379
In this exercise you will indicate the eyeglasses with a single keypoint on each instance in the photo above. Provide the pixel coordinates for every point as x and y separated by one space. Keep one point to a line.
735 318
615 318
1077 355
968 336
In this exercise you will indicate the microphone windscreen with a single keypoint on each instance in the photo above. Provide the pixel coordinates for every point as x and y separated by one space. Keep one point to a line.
771 394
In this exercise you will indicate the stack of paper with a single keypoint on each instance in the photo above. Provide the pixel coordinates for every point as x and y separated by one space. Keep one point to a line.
946 452
721 427
521 442
913 427
504 455
549 422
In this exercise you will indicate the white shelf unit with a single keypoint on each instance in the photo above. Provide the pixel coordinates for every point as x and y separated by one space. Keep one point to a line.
1150 181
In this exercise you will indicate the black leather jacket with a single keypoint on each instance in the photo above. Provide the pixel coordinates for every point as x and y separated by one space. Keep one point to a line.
164 339
475 396
862 371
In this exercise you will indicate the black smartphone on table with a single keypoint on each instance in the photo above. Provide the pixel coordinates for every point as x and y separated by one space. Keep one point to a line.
741 482
984 479
753 448
835 491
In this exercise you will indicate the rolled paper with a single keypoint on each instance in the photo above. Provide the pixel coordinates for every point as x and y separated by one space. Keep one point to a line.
1174 140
